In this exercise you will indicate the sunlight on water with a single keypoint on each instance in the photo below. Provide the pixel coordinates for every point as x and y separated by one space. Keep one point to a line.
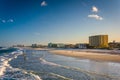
49 66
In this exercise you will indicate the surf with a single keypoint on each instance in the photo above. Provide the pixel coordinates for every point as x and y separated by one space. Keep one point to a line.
8 72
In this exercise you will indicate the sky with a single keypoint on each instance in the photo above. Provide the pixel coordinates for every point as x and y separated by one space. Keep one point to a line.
58 21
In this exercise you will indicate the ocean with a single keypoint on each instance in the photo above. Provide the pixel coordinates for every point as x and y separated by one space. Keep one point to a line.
7 72
26 64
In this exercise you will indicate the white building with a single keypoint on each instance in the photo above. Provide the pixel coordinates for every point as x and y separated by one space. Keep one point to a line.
82 46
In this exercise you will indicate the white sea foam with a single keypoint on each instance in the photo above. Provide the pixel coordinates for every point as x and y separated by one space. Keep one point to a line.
65 78
36 77
7 72
3 48
48 63
4 64
2 58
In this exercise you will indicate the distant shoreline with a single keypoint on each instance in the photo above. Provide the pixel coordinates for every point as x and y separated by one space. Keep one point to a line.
34 48
93 55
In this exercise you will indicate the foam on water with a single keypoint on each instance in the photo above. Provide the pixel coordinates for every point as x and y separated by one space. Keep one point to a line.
3 64
48 63
43 61
61 76
7 72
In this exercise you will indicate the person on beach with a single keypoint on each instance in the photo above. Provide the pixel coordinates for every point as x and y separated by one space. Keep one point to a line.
24 55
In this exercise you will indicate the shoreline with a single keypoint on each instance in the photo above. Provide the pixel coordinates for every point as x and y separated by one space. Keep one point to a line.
30 48
92 54
88 55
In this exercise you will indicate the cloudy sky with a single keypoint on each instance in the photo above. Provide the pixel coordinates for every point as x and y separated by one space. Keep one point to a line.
63 21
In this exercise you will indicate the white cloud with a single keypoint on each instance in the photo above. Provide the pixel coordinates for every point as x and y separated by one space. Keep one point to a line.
6 21
94 9
10 20
3 21
43 3
95 16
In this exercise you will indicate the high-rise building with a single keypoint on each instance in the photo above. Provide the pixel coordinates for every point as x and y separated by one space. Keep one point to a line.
98 41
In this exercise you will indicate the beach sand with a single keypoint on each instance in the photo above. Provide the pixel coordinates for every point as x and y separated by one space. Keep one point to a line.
88 55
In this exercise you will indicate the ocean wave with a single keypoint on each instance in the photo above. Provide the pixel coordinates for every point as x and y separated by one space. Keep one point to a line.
7 72
3 64
19 74
63 77
51 76
43 61
3 48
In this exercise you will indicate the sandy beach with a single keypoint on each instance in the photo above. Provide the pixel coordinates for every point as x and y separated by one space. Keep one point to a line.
88 55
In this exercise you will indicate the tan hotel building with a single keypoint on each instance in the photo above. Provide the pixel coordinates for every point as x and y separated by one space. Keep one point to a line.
98 41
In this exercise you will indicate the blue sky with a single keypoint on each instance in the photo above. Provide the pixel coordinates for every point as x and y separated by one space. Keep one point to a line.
59 21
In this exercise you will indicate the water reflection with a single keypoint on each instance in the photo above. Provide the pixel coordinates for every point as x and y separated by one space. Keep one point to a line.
98 67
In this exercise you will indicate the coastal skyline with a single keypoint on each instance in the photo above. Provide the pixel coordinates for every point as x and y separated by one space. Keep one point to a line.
64 21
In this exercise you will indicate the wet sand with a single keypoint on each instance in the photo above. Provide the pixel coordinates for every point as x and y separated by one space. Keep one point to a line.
88 55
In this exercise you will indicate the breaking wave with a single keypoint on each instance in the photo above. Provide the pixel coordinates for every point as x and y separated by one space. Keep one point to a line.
43 61
7 72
